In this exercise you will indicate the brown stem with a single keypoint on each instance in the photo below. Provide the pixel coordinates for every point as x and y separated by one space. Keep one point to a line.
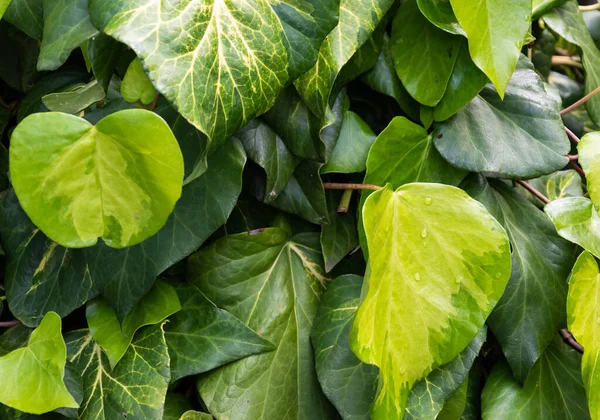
577 168
6 324
343 186
573 157
580 102
152 105
560 60
533 191
590 7
572 136
570 340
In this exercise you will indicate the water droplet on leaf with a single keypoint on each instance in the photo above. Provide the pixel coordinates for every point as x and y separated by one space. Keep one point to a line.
417 277
428 200
498 275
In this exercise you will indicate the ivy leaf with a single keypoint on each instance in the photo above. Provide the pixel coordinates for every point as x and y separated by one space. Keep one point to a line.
440 13
407 232
27 15
495 30
339 236
104 53
561 184
175 405
136 86
456 404
74 100
269 151
195 415
541 7
202 337
425 76
36 371
114 337
553 390
532 308
271 282
136 387
589 158
567 21
352 146
66 26
229 61
3 6
576 220
582 313
485 135
77 196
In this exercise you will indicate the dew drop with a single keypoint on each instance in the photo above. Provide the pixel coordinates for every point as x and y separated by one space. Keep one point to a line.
498 275
598 320
428 200
417 277
424 233
458 280
402 370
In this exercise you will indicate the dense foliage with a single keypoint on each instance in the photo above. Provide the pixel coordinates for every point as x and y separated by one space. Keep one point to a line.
299 209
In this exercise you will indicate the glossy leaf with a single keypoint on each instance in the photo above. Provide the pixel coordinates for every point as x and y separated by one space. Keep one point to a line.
440 13
495 30
104 53
425 76
541 7
75 100
561 184
66 26
576 219
36 371
532 308
102 181
202 337
136 86
339 236
136 387
553 390
271 282
589 158
521 136
114 337
582 312
230 68
407 266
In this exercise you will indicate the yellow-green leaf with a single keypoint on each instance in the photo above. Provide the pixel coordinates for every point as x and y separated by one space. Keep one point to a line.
136 86
589 158
439 263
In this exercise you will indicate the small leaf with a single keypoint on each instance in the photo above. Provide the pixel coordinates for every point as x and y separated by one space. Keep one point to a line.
33 375
495 30
424 75
114 337
339 236
202 337
100 181
561 184
104 53
440 13
136 86
75 100
408 231
583 307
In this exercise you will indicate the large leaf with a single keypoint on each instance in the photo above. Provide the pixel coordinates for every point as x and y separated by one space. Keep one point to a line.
32 377
589 158
437 248
114 337
520 136
271 282
27 15
424 75
532 308
552 391
66 26
202 337
583 306
496 30
577 220
79 182
358 19
567 21
135 388
221 63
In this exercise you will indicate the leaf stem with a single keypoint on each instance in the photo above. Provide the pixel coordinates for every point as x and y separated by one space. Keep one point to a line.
573 157
561 60
590 7
572 136
581 101
6 324
533 191
577 168
343 186
570 340
345 201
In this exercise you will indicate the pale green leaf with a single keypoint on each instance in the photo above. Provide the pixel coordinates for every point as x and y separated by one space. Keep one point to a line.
410 233
3 6
271 282
577 220
589 158
521 136
32 377
79 182
583 307
553 390
561 184
195 415
424 55
114 337
202 337
541 7
136 86
495 30
135 388
66 26
74 100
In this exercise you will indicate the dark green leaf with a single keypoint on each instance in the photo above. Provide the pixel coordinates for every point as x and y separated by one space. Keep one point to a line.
27 15
339 236
440 13
104 53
